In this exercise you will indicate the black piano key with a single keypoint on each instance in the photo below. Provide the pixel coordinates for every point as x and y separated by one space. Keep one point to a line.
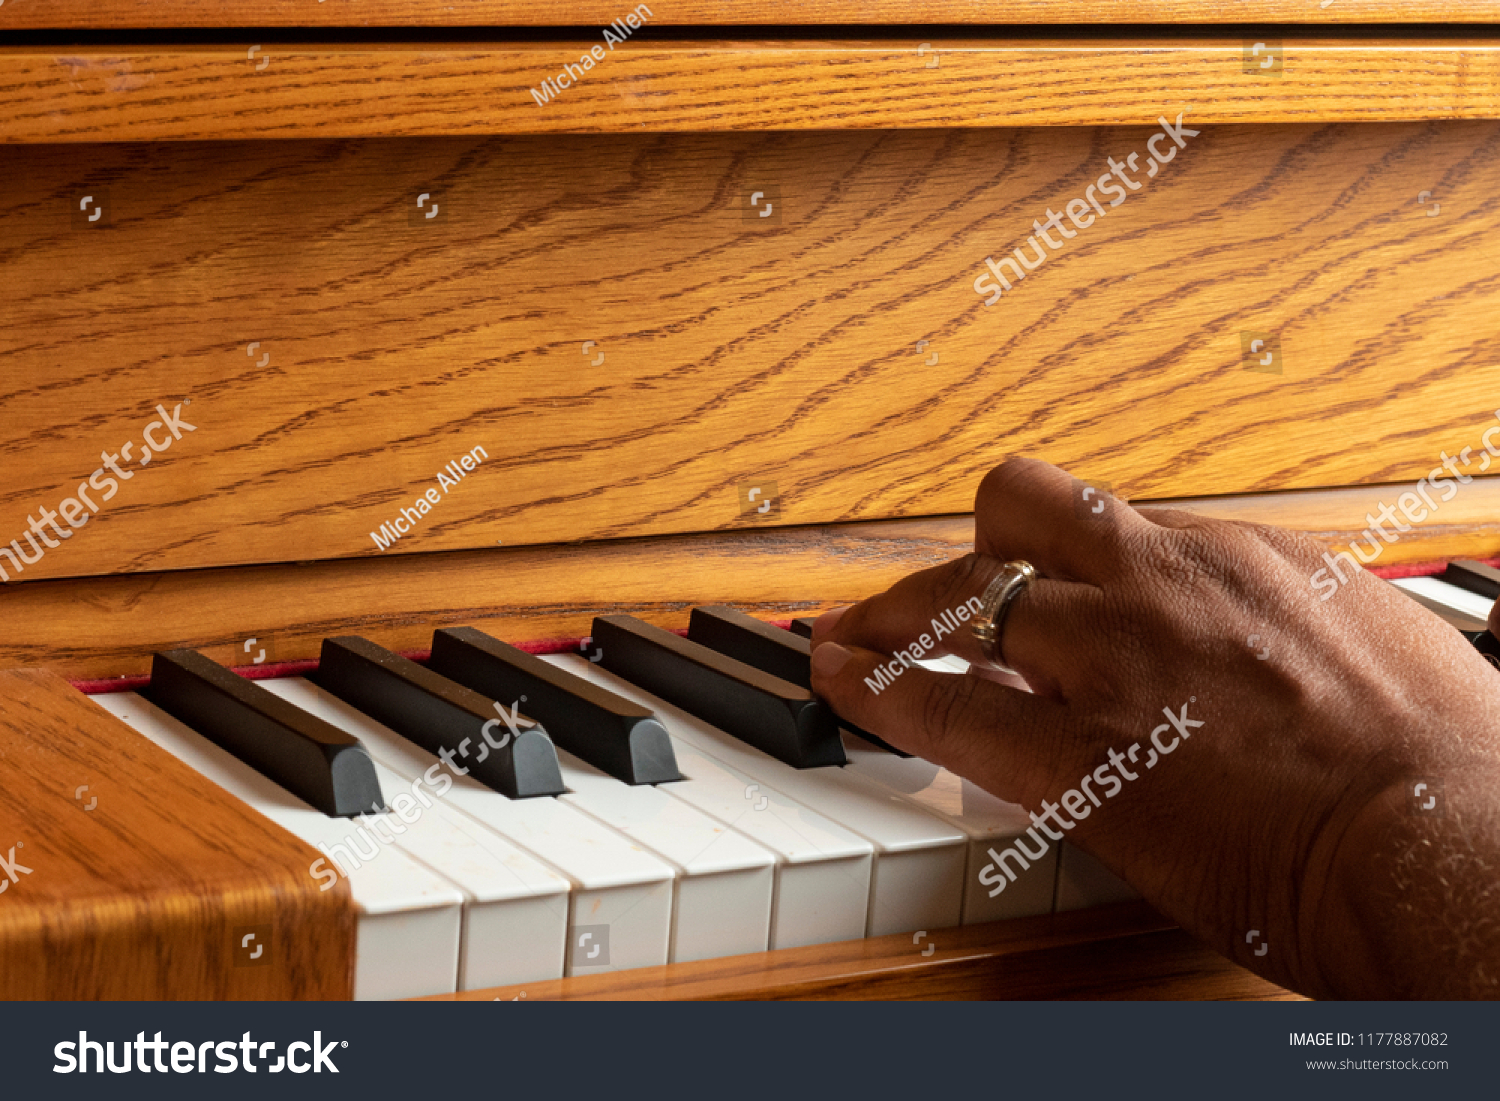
765 711
747 639
442 717
1489 646
1474 576
803 626
314 760
606 730
769 649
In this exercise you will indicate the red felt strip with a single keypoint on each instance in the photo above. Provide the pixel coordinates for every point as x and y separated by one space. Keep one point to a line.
273 669
1421 569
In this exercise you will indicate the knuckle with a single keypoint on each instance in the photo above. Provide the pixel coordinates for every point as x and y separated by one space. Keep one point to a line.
970 575
1003 479
851 626
1198 559
1293 546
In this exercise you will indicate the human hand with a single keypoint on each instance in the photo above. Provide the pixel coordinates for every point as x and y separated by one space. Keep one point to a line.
1289 809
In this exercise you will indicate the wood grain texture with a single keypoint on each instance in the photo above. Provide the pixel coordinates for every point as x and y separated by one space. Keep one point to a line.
1125 951
143 896
730 350
556 13
289 90
1468 525
98 628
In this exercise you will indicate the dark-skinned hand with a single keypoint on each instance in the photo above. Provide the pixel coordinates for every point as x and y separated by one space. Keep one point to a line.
1290 810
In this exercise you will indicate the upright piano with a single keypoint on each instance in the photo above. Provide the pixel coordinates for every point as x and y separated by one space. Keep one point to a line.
341 339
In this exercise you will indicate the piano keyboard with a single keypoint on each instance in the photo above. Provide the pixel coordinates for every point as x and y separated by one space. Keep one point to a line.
1463 595
460 886
1441 595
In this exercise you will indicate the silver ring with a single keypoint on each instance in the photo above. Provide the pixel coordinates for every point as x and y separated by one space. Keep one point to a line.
1000 594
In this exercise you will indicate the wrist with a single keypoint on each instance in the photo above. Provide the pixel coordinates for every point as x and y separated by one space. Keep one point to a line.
1410 893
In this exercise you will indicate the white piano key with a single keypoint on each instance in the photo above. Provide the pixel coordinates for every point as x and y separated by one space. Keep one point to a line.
917 880
944 663
515 909
724 879
1078 880
1451 596
515 913
822 870
407 939
1083 882
986 821
622 895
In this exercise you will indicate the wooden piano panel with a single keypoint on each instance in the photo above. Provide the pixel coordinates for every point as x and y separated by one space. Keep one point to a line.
103 627
732 351
550 13
284 88
143 875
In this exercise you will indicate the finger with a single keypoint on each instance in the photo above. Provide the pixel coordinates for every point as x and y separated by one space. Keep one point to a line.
1035 511
824 624
998 737
932 612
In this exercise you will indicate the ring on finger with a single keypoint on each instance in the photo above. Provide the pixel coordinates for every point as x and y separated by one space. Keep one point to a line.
995 605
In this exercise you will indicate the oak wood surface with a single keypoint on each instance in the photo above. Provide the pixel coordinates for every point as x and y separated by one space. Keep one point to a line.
100 628
727 350
548 13
1124 951
93 93
141 885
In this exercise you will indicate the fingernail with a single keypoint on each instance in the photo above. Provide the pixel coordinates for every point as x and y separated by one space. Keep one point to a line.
826 621
829 658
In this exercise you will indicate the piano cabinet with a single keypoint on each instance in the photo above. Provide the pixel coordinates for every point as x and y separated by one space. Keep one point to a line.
708 325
